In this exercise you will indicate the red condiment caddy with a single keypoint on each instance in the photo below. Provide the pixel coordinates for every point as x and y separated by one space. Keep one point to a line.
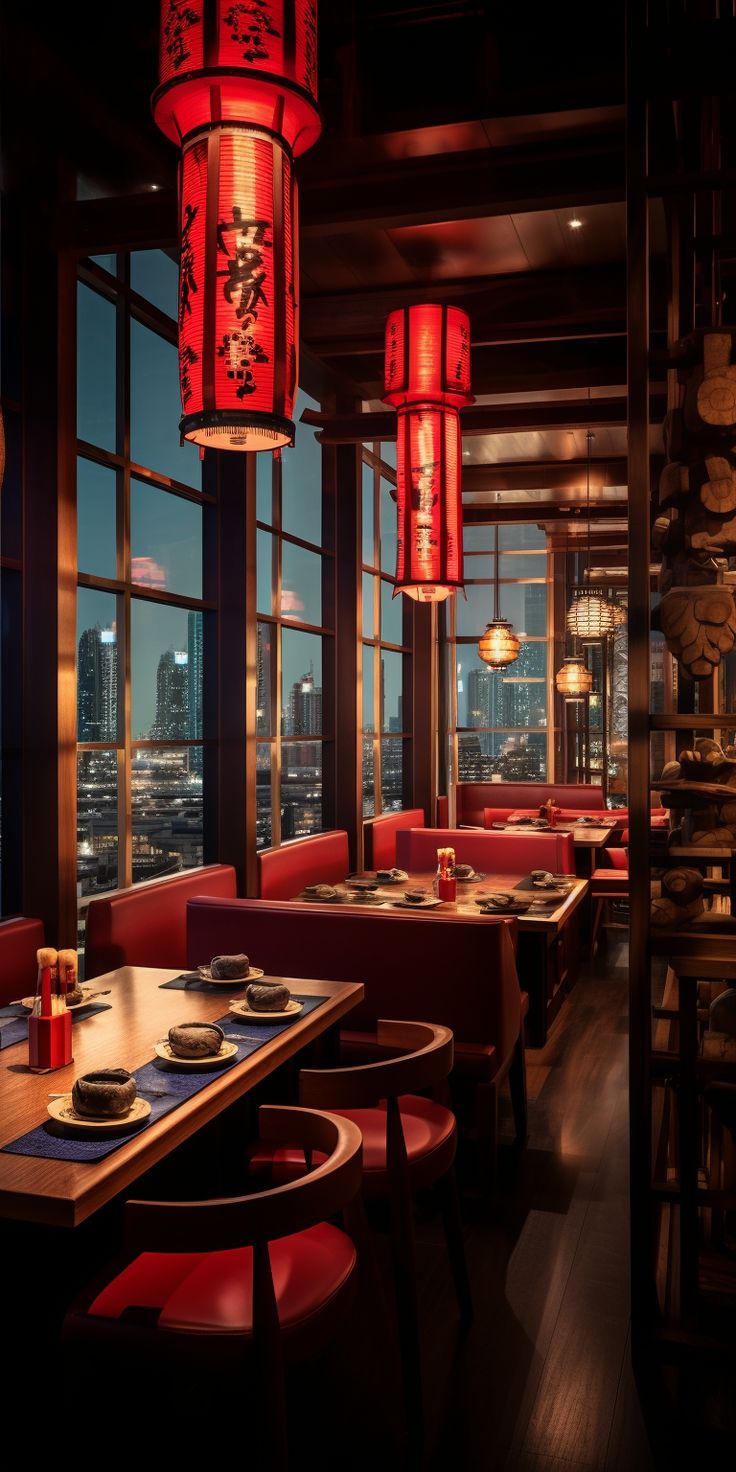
50 1023
446 881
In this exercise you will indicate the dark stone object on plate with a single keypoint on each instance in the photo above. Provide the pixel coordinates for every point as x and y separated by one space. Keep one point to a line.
106 1094
464 871
267 996
321 891
74 995
229 968
196 1039
415 896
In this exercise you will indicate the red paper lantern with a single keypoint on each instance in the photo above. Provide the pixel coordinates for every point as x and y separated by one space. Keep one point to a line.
237 92
427 377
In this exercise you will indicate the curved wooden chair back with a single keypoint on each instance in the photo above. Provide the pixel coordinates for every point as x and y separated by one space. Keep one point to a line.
425 1063
245 1221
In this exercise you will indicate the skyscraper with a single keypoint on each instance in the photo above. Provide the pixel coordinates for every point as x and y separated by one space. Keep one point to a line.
97 685
194 675
305 707
172 697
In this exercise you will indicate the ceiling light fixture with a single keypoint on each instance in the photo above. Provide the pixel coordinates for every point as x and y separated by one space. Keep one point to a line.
499 646
589 616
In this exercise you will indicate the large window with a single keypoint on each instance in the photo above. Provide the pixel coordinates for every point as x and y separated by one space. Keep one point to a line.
294 727
140 598
386 640
499 719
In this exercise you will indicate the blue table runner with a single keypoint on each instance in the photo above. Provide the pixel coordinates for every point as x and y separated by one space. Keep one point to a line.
14 1021
162 1085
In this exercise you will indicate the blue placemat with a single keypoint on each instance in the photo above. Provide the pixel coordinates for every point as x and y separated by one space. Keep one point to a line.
14 1021
163 1087
189 981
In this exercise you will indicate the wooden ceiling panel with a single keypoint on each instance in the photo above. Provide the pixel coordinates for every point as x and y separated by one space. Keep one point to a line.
461 248
550 244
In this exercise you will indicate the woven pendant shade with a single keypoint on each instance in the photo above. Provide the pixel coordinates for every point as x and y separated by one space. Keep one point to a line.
574 679
237 93
590 616
499 646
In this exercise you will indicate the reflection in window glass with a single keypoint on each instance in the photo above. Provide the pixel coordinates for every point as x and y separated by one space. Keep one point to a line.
526 606
391 687
166 671
263 795
96 519
392 613
388 529
392 758
165 540
301 788
166 811
301 485
521 565
266 634
369 783
516 696
155 409
369 551
154 275
264 487
477 566
95 368
301 584
519 757
476 611
264 571
97 821
301 689
97 666
368 687
522 536
369 584
478 538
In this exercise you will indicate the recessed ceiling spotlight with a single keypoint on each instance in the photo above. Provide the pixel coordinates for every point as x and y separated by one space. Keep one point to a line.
155 188
466 454
575 223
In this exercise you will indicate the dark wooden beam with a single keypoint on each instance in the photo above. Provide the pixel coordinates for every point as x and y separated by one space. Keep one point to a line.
535 367
96 226
511 308
461 186
486 418
542 511
553 475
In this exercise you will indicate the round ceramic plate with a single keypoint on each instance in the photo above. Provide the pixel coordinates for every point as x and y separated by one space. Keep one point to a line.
321 899
470 878
399 878
369 885
70 1006
63 1111
163 1049
517 907
247 1014
206 975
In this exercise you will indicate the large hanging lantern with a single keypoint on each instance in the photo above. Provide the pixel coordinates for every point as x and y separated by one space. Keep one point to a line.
590 616
574 680
427 378
237 92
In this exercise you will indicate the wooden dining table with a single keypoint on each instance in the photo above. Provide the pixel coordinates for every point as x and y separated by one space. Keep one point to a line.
61 1193
549 937
588 838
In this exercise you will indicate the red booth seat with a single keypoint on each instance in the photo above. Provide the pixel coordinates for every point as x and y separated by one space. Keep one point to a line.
461 973
147 924
472 797
19 940
490 853
380 836
284 872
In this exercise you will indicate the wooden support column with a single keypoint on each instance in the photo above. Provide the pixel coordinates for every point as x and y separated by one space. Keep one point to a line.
343 482
637 242
235 655
49 554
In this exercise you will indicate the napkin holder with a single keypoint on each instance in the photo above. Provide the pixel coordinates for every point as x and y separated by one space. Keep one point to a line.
49 1042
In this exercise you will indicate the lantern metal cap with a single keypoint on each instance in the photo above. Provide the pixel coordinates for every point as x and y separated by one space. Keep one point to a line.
236 429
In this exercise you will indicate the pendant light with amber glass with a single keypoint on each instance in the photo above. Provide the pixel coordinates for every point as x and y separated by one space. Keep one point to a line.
499 646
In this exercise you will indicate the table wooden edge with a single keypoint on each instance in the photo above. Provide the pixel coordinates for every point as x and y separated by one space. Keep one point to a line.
152 1144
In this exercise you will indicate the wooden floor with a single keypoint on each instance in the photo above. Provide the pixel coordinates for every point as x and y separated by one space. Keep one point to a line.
541 1382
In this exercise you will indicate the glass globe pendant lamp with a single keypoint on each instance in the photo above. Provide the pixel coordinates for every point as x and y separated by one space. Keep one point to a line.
590 615
574 680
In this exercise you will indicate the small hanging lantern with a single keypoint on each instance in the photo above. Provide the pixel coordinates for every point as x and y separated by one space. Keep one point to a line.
574 680
499 646
427 378
590 616
237 93
620 614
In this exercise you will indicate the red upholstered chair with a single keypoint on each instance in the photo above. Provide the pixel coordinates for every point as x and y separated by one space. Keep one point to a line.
379 836
458 972
409 1144
490 853
146 925
607 884
213 1288
19 941
284 872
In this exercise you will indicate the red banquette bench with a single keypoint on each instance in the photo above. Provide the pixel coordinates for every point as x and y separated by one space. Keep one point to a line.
19 940
490 853
461 974
471 798
322 859
146 925
379 836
